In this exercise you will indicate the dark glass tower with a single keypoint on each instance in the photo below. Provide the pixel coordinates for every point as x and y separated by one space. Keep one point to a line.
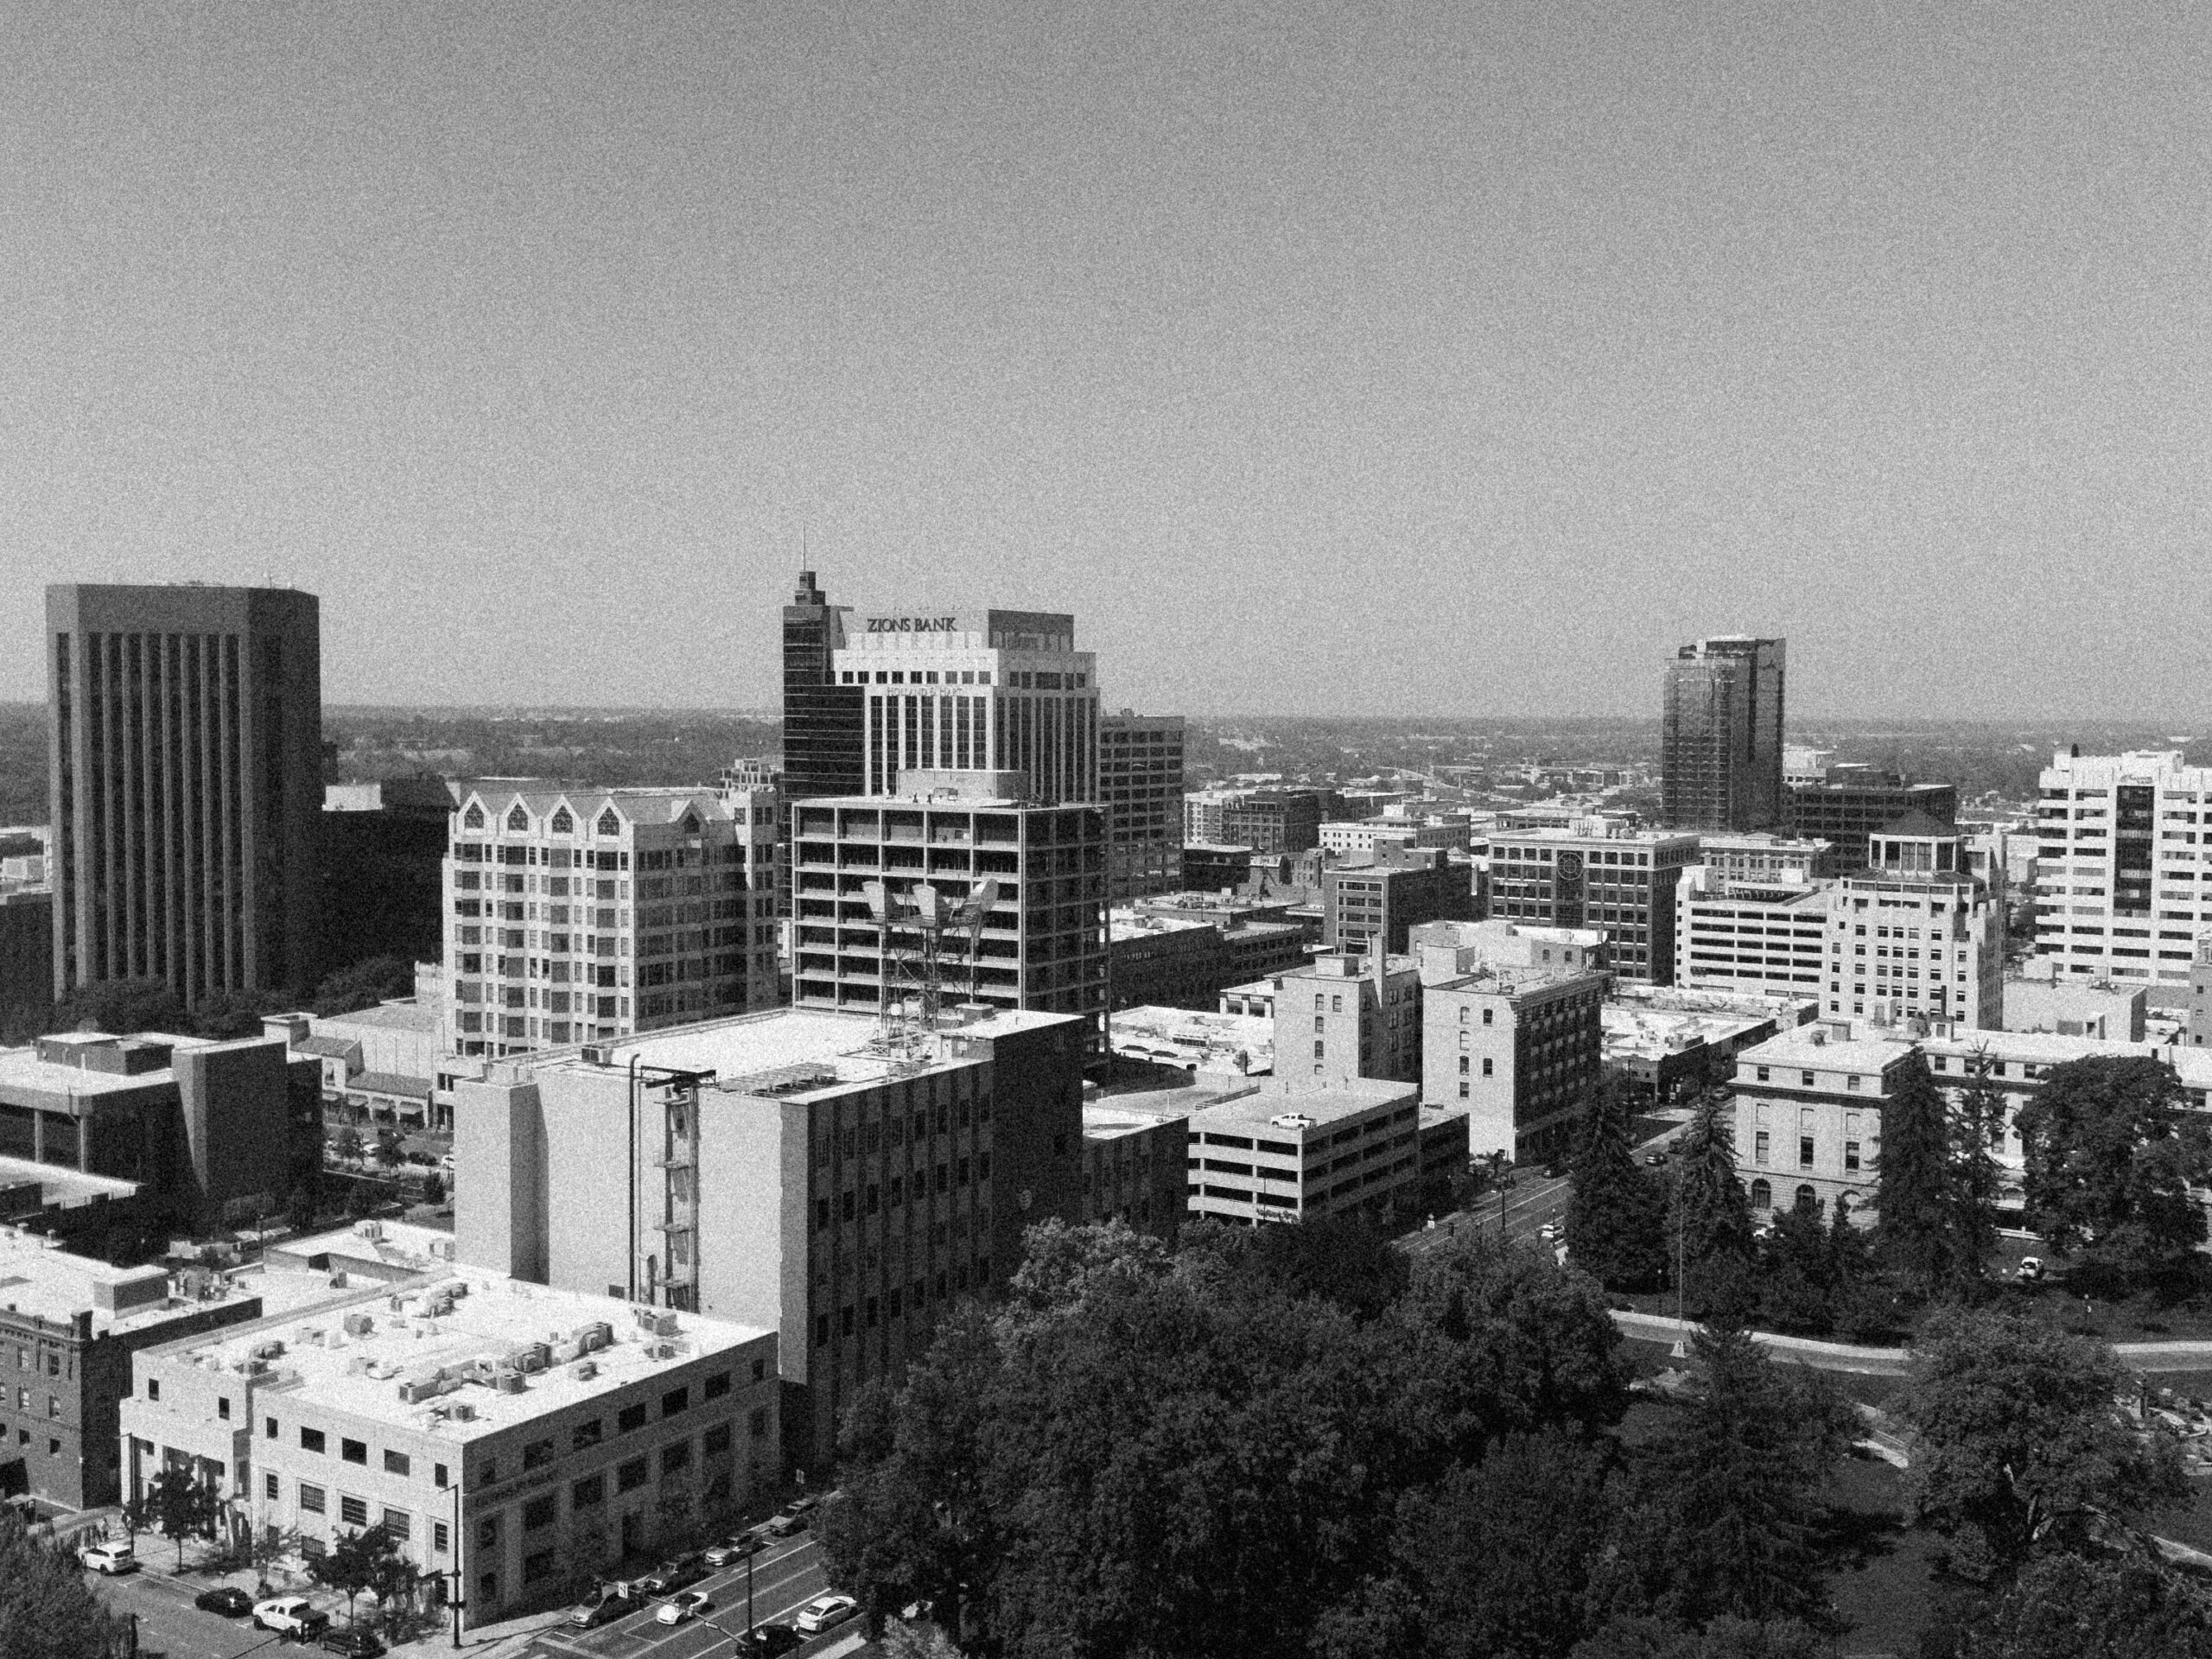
185 777
824 741
1720 736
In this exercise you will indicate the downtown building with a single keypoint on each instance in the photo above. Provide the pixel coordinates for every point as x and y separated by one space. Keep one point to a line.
184 759
1596 874
1140 785
837 1178
1397 888
1850 803
586 915
2122 886
1720 736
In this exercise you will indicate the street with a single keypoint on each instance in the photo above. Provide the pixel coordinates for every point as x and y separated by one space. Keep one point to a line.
1531 1201
786 1576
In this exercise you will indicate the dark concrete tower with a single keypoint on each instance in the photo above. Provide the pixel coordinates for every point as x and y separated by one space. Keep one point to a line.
185 775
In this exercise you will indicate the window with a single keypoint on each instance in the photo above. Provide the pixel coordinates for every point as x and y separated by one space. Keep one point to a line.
675 1402
353 1511
1760 1139
629 1418
440 1537
759 1370
269 1427
487 1533
541 1512
537 1455
153 1391
397 1463
310 1498
587 1434
222 1404
311 1439
438 1475
398 1523
1488 1065
630 1476
540 1565
717 1386
354 1450
1804 1151
587 1493
269 1488
1807 1198
1490 1016
1851 1154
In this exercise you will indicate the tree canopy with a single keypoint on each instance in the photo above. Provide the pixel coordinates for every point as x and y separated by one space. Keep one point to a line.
2111 1152
1916 1216
2018 1439
46 1610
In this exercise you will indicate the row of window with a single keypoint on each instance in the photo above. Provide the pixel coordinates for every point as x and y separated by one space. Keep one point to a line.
872 1311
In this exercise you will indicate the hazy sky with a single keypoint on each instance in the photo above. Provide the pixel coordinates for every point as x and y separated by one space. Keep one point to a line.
1460 358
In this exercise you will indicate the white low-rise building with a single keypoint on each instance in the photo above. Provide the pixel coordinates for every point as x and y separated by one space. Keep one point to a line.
515 1437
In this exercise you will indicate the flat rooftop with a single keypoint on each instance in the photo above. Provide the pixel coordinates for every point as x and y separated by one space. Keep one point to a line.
1109 1121
65 1187
1652 1033
39 1279
401 1014
790 1052
1125 924
23 1068
458 1320
1322 1101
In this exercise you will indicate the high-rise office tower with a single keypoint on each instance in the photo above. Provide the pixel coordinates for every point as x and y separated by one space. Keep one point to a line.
982 691
185 771
1720 738
821 718
1140 779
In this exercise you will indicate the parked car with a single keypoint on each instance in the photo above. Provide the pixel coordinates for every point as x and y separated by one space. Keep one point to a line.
736 1548
603 1609
292 1617
109 1556
673 1574
2030 1268
683 1605
767 1641
1656 1160
355 1641
788 1520
225 1598
823 1613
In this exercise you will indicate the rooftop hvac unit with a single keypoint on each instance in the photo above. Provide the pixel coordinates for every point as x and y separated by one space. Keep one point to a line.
268 1349
359 1324
464 1410
442 1248
507 1381
584 1370
595 1335
370 1229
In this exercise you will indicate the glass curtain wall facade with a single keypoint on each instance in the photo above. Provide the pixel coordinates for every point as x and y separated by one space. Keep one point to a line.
1721 736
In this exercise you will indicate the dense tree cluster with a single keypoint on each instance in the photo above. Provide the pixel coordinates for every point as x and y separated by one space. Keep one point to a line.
1302 1440
46 1611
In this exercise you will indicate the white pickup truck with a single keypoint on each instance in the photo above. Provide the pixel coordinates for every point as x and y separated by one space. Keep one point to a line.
293 1617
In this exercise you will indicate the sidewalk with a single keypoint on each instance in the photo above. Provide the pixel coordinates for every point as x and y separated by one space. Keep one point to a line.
1891 1362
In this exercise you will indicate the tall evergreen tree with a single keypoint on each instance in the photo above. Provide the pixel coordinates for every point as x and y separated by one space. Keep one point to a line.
2113 1152
1712 1218
1916 1217
1976 1125
1616 1217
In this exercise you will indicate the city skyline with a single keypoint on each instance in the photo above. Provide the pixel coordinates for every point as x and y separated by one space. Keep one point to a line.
1449 362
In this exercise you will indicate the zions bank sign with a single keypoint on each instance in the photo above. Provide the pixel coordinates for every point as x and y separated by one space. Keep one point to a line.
910 624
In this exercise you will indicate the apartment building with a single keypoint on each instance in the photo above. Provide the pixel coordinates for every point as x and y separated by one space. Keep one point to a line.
1512 1040
1343 1017
1296 1148
835 1177
1597 874
1808 1102
2121 886
185 766
1765 857
576 916
1270 821
2079 1008
1040 944
1720 734
68 1327
522 1438
1914 933
1140 785
992 691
